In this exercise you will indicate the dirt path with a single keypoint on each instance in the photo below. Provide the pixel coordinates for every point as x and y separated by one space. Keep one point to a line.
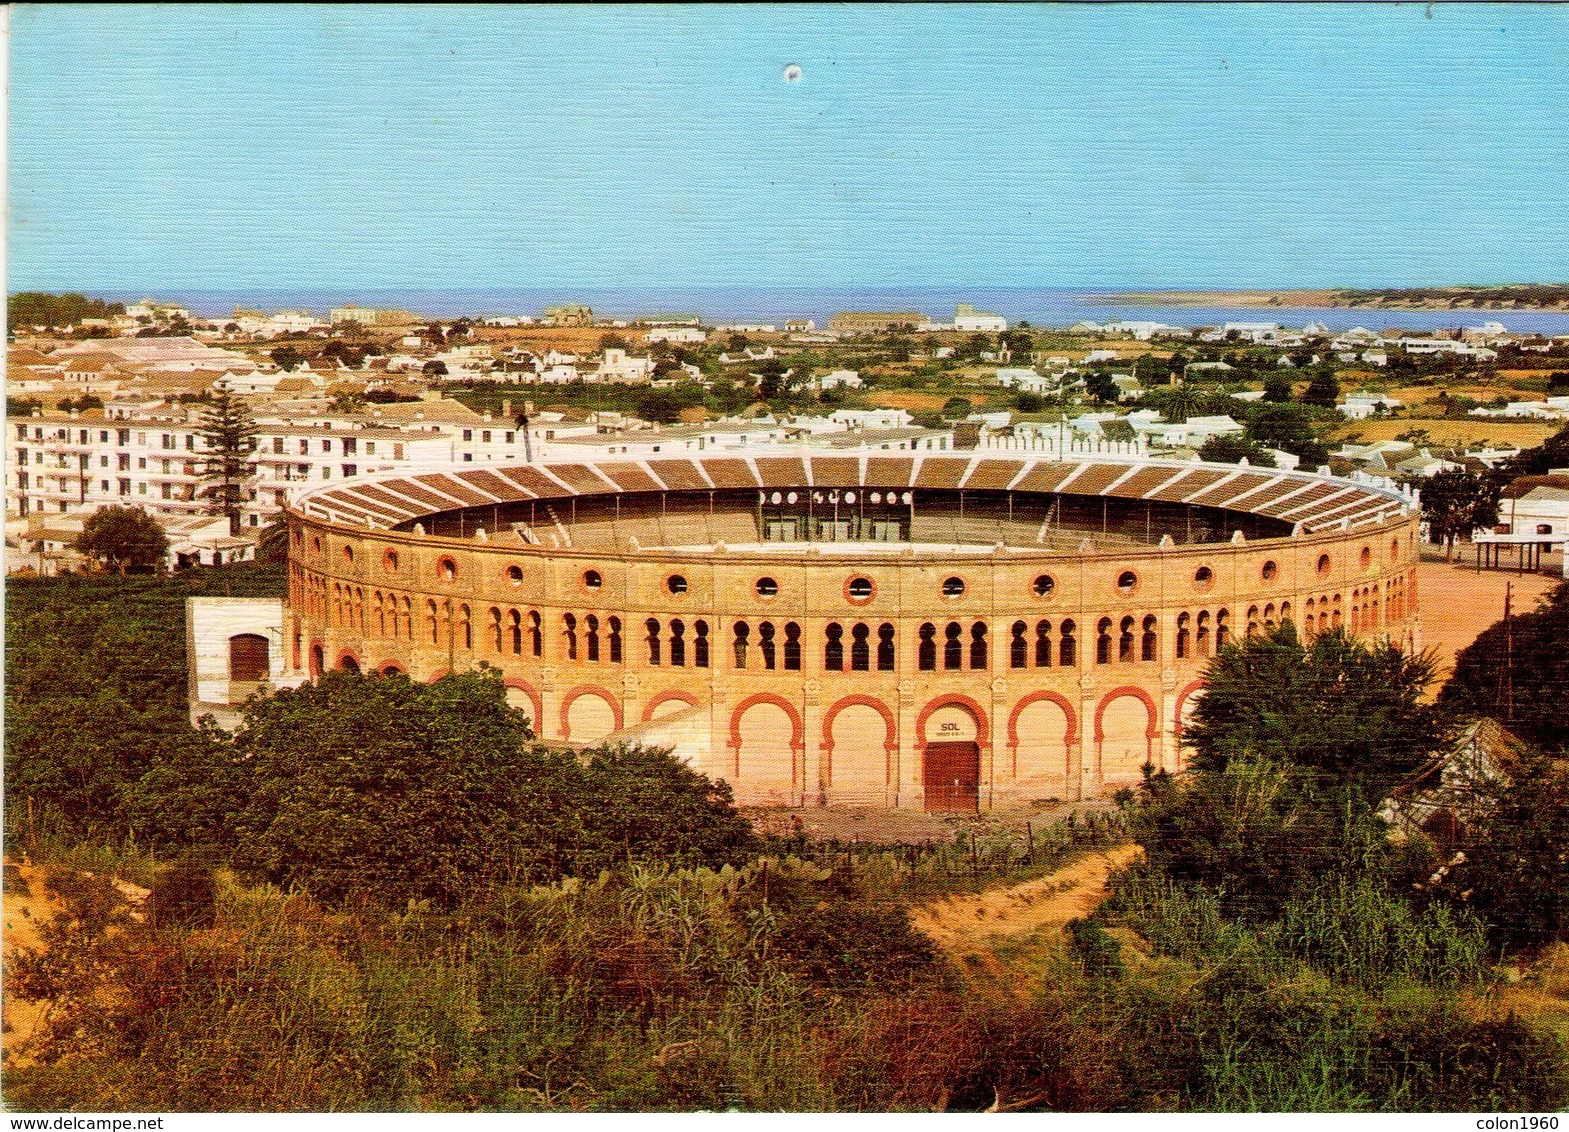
1022 920
25 907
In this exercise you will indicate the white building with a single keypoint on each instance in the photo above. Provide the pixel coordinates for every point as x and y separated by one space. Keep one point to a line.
1026 380
1361 405
967 318
681 335
617 366
153 455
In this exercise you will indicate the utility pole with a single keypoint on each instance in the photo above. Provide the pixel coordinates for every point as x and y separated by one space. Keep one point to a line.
1509 656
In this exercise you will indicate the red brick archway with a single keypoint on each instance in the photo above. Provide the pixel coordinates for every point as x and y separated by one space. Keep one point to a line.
1153 715
533 698
1037 697
585 690
797 730
1182 702
892 740
982 722
687 698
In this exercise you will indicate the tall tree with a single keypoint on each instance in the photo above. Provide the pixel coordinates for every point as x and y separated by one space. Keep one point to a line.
1338 707
230 436
1516 868
1098 384
1182 402
1517 671
1288 428
1277 388
1323 390
123 538
1455 502
1233 449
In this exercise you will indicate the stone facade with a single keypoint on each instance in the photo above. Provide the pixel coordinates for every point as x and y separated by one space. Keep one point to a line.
1031 653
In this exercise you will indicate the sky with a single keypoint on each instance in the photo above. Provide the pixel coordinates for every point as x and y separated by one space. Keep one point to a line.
1126 145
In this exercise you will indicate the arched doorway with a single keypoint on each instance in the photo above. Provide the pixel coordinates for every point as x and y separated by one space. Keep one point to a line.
1042 729
858 736
951 760
249 659
1126 724
590 717
764 738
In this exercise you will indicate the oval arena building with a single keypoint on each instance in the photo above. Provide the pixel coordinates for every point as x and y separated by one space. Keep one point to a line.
940 632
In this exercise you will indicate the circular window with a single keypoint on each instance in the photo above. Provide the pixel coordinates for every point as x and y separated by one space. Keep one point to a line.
849 497
766 587
776 498
859 589
953 587
676 584
1203 578
389 561
1323 564
592 580
877 497
792 498
1269 570
1127 582
515 575
1043 585
348 554
447 568
1366 557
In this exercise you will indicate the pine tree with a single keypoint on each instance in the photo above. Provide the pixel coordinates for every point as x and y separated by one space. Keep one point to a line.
230 436
1323 391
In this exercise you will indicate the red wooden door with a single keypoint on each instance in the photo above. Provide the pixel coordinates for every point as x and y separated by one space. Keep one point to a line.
952 774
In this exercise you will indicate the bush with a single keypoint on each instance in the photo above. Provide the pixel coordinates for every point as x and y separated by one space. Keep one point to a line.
855 948
1097 952
183 897
1516 869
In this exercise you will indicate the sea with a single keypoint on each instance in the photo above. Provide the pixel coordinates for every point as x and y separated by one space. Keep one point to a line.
1043 307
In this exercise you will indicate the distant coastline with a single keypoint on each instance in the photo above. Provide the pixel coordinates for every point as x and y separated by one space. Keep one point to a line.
1521 297
1042 307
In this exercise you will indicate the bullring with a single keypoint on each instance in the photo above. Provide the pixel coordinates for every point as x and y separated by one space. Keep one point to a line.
945 633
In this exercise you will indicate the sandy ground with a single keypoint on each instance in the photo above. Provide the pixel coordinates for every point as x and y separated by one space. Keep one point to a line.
959 924
913 400
1450 433
1457 602
22 913
1003 939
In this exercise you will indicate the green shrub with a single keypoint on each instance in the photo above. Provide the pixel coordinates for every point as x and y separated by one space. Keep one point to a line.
184 896
1097 952
854 948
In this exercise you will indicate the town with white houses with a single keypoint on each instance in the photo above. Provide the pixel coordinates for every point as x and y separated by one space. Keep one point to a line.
111 407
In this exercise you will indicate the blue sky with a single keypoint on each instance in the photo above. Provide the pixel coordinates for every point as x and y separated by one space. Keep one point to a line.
1128 145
